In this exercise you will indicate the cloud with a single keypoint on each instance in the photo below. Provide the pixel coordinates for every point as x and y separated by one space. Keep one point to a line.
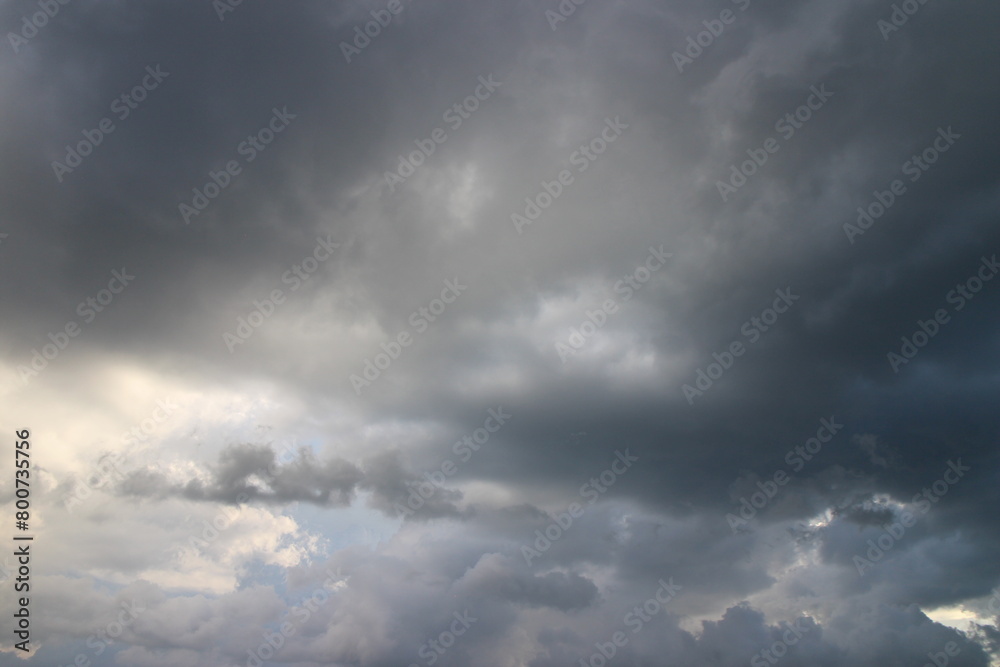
227 512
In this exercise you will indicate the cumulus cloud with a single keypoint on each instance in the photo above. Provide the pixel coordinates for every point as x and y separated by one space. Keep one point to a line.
699 234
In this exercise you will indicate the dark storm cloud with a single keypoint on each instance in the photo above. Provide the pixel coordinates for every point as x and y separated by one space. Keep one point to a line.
252 473
261 474
399 492
224 79
345 124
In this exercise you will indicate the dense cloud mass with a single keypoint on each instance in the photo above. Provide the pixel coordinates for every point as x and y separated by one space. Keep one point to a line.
527 334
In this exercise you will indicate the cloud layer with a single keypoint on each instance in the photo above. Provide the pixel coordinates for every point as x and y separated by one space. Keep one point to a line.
657 333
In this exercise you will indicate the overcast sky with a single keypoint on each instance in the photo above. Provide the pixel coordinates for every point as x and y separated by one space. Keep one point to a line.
501 334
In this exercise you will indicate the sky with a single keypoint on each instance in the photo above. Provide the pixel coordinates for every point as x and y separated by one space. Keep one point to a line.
499 334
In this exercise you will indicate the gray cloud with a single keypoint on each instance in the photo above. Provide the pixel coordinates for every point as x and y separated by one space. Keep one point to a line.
324 177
